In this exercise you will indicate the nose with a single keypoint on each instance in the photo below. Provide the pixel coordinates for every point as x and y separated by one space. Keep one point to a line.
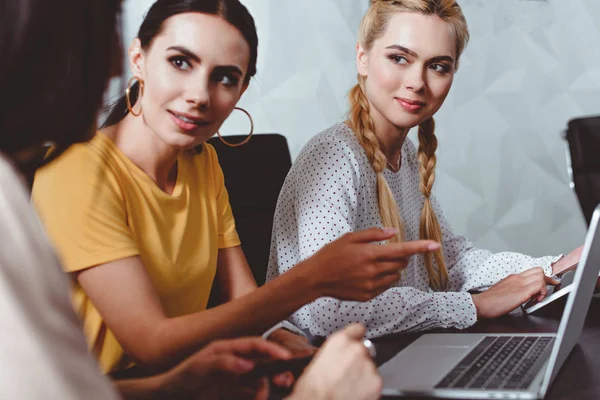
414 79
198 93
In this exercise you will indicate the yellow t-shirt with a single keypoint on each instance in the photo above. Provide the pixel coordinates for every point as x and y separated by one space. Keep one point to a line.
98 207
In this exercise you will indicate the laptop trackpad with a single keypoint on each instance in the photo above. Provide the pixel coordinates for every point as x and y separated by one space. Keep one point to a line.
426 361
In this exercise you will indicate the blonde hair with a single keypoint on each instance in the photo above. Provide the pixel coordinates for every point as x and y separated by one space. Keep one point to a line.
372 27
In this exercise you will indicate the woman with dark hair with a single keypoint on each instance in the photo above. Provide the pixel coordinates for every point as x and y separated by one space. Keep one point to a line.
62 70
142 220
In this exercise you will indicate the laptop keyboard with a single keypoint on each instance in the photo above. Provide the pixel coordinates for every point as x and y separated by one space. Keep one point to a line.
500 362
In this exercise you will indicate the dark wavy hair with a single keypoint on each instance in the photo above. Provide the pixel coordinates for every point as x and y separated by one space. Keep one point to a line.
231 11
57 57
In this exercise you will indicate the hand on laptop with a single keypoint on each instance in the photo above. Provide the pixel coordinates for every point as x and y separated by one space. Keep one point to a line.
568 262
342 369
511 292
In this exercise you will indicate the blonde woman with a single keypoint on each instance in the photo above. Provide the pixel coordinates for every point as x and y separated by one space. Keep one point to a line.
366 172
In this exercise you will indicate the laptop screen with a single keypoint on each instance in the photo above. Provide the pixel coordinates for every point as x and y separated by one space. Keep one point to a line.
575 311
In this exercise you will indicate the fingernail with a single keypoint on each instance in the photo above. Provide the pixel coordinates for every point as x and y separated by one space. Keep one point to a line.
434 246
389 231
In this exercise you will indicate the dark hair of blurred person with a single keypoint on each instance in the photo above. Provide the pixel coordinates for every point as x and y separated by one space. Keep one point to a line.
54 70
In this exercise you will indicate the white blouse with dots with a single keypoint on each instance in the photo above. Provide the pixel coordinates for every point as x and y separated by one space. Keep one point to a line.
331 190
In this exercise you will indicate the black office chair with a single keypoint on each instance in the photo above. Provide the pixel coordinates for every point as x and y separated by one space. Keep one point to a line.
254 174
583 162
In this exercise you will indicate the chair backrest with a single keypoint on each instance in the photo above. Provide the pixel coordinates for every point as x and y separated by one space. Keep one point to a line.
254 174
583 157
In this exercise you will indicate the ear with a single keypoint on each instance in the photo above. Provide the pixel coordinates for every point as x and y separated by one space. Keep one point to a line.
362 60
136 58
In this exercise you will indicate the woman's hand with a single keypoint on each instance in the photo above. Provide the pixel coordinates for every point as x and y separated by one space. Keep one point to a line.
511 292
568 262
298 345
217 371
342 369
353 267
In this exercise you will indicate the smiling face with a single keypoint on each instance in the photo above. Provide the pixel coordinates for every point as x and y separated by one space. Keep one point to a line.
409 70
193 74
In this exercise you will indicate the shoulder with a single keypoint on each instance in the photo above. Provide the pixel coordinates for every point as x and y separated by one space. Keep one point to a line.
84 172
336 147
80 161
331 159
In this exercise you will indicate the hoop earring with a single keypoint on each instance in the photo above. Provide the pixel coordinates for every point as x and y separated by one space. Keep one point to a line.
140 94
245 140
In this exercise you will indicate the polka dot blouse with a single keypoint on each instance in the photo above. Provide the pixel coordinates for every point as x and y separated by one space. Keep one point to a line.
331 190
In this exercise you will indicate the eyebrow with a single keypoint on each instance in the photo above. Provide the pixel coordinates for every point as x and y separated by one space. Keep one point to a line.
232 69
185 51
413 54
193 56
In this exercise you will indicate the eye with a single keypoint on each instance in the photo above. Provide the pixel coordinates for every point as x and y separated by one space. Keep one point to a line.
226 79
440 68
180 62
396 59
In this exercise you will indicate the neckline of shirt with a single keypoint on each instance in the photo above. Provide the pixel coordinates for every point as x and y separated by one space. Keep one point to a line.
131 166
386 171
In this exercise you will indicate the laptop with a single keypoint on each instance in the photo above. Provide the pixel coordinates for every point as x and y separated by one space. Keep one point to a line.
480 366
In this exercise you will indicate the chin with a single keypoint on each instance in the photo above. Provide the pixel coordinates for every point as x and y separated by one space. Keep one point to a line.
404 119
409 121
181 141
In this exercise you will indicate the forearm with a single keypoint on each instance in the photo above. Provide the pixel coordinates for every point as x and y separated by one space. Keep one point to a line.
478 269
233 278
399 309
250 314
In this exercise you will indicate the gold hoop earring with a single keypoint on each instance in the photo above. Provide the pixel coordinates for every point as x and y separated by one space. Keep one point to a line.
245 140
140 94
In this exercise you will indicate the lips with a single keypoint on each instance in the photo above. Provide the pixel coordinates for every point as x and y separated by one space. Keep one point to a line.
409 104
187 122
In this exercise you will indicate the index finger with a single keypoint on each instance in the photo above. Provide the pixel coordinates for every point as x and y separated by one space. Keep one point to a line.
252 347
393 251
372 235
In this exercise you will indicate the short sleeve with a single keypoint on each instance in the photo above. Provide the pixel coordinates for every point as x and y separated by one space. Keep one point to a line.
228 236
78 198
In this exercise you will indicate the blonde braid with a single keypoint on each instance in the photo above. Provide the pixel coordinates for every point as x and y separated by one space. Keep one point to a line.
362 125
373 26
429 225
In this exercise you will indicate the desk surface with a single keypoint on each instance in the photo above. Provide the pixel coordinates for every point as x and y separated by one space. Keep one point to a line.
579 377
